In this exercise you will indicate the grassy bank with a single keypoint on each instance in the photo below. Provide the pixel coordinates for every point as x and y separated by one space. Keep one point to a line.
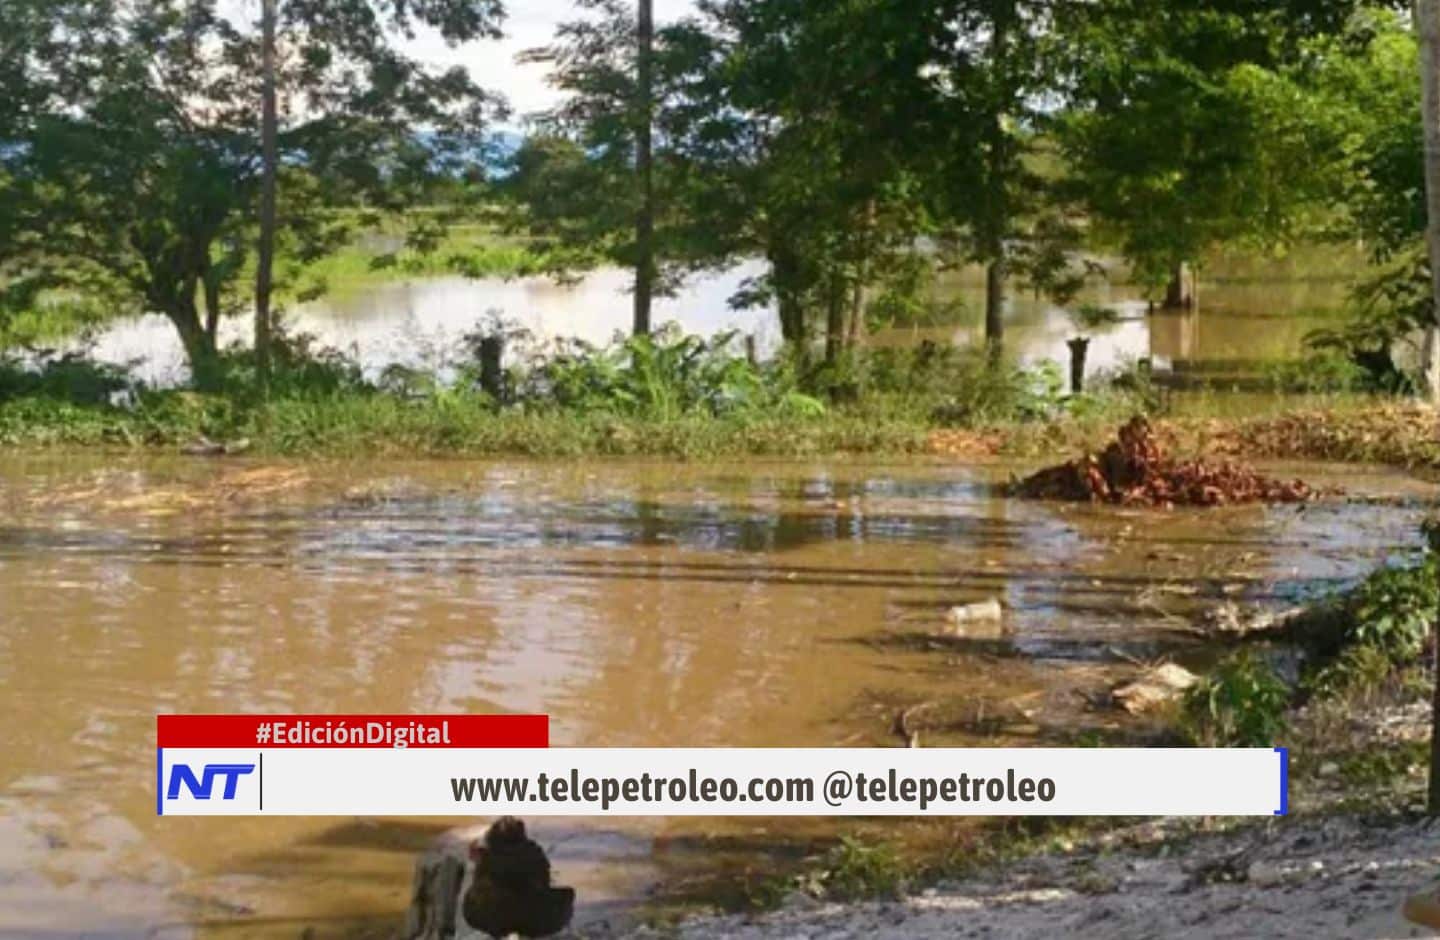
1341 429
383 425
673 396
383 254
349 423
667 395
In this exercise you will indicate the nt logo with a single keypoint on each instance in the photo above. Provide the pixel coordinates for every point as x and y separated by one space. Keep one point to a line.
203 786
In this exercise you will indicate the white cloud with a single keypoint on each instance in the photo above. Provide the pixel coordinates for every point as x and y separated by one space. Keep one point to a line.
530 23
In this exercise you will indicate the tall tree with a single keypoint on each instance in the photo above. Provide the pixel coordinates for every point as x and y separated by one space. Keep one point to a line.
135 165
644 165
1002 170
824 126
269 170
983 146
1427 25
607 175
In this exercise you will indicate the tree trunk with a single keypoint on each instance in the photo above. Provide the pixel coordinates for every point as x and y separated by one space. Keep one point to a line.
211 284
995 307
645 169
856 334
199 344
1427 24
793 328
834 320
784 274
792 323
492 376
1000 171
269 120
1180 292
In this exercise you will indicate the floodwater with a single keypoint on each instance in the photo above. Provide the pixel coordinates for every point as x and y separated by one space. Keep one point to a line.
637 603
419 322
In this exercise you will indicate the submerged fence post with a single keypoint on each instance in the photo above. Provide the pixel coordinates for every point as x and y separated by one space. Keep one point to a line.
750 354
492 379
1078 347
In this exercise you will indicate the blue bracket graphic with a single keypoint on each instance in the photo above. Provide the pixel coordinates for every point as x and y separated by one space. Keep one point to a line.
1284 809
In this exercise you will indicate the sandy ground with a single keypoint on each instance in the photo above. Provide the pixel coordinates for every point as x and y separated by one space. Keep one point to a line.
1317 878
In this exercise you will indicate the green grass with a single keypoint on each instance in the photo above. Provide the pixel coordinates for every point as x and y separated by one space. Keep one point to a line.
379 425
666 395
474 251
53 320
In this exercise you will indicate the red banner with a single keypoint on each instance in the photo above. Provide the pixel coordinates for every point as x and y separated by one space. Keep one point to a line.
379 731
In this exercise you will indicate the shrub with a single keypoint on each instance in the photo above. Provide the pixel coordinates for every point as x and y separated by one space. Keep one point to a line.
70 378
854 870
1241 704
1394 608
1321 371
1359 672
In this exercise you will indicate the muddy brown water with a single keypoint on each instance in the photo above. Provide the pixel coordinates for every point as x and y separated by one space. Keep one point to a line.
636 603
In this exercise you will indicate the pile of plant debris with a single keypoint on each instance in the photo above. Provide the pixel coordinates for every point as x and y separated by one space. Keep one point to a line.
1135 470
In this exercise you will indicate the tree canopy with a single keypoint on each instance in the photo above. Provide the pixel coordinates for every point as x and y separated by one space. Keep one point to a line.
131 148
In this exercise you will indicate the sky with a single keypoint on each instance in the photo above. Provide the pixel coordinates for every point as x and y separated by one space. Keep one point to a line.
529 23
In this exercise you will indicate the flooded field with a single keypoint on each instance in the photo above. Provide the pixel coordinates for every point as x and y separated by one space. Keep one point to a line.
1259 318
636 603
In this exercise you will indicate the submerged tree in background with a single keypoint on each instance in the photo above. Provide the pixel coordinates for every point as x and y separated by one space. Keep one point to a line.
777 133
1190 126
609 174
816 109
133 164
993 71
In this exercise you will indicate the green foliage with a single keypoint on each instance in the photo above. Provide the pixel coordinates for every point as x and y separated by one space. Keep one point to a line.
129 165
1094 316
1365 80
1381 766
1389 308
1359 672
1242 703
1197 124
662 395
905 296
665 376
299 366
1323 370
48 319
1364 637
1394 609
854 870
958 387
70 378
